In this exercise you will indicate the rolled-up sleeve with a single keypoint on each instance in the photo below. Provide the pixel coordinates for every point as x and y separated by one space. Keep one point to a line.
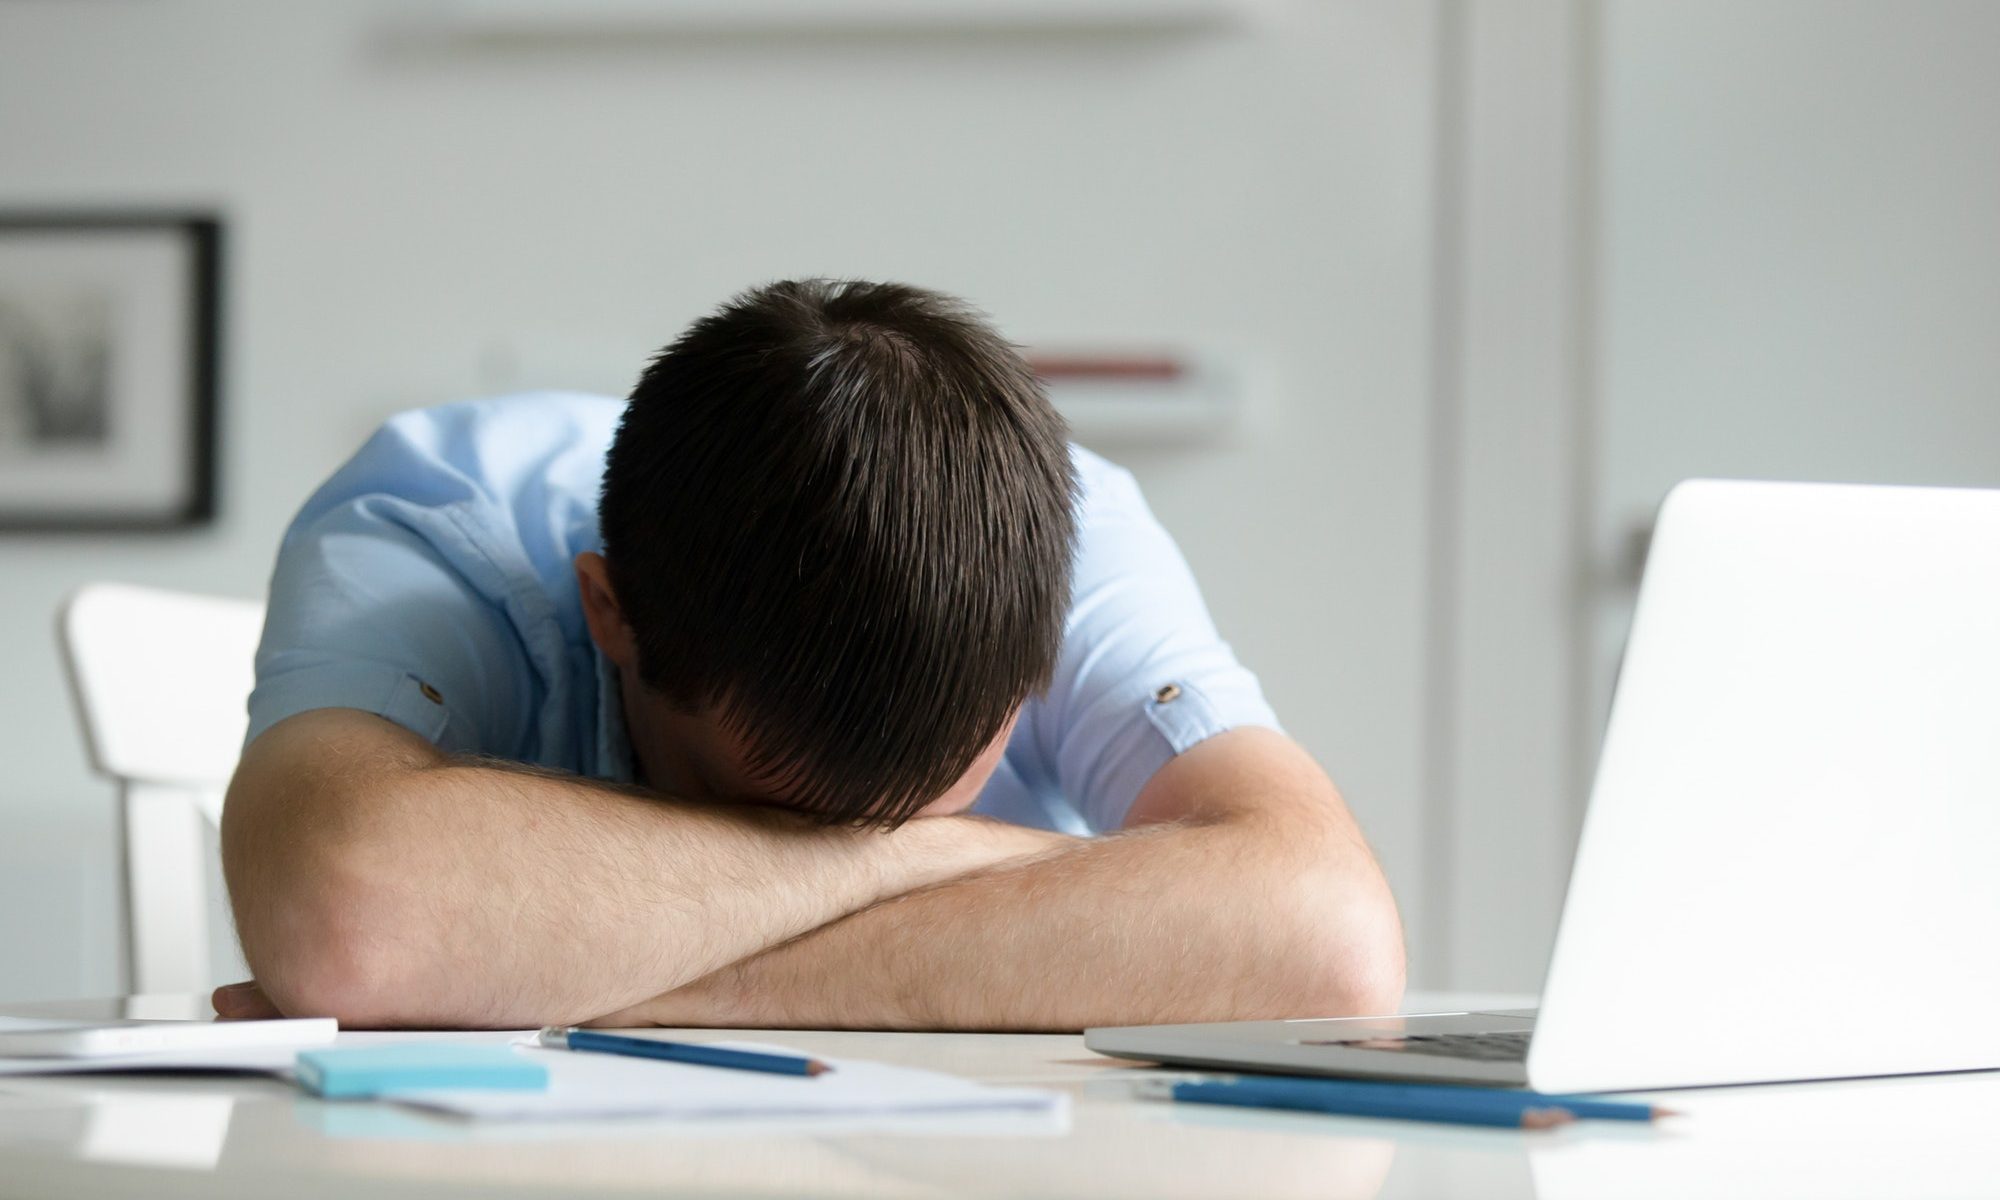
384 604
1143 675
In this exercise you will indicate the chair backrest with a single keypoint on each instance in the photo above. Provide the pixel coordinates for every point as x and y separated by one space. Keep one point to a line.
161 679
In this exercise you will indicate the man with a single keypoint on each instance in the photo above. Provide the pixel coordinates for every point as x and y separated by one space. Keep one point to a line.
860 698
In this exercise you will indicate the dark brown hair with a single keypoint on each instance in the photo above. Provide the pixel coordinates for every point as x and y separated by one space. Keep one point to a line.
839 516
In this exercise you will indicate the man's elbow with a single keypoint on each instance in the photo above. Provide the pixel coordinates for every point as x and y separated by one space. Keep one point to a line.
335 948
1353 963
1366 982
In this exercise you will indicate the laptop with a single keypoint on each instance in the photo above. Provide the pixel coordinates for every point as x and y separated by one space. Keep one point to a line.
1790 865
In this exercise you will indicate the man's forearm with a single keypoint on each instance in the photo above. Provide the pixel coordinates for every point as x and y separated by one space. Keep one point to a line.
1235 919
461 895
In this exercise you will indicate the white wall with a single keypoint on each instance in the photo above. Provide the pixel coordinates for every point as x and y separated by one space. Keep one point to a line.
1800 252
405 220
1802 243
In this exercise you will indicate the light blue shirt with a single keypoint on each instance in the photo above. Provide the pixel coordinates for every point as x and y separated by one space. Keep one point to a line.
429 581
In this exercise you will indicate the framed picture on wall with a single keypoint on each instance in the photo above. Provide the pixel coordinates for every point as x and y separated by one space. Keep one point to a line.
109 328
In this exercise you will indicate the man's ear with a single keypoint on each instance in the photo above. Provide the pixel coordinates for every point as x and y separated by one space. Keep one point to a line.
601 612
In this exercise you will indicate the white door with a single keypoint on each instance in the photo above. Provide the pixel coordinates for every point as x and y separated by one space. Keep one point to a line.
1749 238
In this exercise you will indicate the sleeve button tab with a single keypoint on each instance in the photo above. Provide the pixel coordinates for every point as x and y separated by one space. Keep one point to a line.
1168 693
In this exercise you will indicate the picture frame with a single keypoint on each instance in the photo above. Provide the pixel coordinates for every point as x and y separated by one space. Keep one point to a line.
110 330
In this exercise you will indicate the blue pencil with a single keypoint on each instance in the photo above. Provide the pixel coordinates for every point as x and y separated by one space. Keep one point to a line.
1583 1107
681 1052
1472 1109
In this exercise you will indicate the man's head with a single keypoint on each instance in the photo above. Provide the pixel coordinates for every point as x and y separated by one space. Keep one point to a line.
838 520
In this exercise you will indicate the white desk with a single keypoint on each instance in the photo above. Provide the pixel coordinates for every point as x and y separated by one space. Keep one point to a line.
227 1137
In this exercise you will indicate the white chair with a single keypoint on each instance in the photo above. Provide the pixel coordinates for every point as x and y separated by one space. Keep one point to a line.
161 679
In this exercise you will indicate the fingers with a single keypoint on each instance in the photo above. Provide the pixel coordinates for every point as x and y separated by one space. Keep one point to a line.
243 1002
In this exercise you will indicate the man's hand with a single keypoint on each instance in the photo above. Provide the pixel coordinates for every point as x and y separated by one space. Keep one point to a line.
1241 889
378 881
243 1002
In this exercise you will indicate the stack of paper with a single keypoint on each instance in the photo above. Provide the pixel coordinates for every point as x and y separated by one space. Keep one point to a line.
267 1060
584 1085
589 1085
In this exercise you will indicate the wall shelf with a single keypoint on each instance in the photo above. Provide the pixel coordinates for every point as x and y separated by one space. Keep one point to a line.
569 19
1140 398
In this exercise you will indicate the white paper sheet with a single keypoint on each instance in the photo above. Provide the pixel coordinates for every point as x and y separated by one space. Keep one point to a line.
269 1060
256 1059
585 1085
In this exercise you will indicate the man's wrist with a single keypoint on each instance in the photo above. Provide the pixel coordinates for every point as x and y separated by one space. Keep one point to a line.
937 849
762 990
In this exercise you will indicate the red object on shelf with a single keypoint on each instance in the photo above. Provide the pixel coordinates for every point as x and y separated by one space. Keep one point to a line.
1133 368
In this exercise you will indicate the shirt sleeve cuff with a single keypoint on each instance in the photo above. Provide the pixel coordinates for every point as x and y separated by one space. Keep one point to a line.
1180 715
386 691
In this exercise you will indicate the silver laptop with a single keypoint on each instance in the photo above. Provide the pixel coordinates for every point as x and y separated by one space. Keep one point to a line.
1790 868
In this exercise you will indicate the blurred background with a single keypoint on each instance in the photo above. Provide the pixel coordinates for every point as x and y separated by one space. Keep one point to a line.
1453 292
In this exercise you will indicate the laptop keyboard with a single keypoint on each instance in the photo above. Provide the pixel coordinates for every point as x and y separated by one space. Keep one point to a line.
1486 1047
